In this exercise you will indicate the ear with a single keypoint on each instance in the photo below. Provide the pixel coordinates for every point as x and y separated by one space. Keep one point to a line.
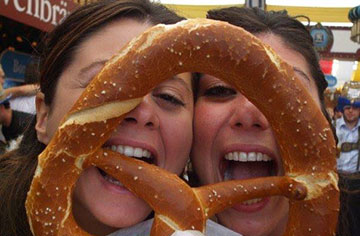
42 113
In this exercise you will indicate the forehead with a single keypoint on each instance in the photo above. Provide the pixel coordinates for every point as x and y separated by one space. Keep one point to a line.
294 59
110 39
289 55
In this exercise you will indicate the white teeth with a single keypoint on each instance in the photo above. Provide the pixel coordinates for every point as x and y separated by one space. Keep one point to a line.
146 153
252 201
138 152
236 156
252 156
131 151
230 156
244 157
120 149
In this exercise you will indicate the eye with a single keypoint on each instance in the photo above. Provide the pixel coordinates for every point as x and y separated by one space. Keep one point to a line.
220 91
169 98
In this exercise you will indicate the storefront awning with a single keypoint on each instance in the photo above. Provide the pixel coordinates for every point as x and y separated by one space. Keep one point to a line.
41 14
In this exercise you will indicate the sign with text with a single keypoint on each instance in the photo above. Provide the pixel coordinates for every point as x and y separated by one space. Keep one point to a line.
41 14
14 65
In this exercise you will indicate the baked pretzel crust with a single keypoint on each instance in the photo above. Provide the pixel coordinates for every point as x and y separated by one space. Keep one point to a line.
306 142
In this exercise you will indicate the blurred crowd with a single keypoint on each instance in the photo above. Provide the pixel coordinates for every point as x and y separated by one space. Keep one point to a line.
345 118
17 107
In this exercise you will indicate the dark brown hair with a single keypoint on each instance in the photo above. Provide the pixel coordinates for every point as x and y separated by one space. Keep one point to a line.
17 167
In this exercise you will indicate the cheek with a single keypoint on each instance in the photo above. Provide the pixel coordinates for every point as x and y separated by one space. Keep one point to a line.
208 119
177 134
207 122
54 120
62 103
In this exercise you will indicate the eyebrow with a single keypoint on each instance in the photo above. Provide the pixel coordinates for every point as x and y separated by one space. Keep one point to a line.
176 78
296 69
85 69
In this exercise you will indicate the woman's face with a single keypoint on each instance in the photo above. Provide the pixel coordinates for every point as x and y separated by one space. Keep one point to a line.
228 126
159 130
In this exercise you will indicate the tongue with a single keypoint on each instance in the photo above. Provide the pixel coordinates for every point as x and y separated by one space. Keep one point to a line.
249 170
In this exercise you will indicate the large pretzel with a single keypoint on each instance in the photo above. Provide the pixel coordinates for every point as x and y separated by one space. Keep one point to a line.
216 48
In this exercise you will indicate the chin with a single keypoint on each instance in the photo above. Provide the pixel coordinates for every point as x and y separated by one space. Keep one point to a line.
257 220
125 221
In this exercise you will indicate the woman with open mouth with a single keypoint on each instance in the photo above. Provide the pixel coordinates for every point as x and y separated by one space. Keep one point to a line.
233 139
158 131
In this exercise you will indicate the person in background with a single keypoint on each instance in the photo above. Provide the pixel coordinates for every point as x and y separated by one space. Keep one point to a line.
337 115
30 87
226 123
2 107
12 123
347 131
24 98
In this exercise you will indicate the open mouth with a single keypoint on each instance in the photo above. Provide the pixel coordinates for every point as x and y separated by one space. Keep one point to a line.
248 165
135 152
243 165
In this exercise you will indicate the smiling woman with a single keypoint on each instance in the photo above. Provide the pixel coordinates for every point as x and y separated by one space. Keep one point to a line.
74 53
233 139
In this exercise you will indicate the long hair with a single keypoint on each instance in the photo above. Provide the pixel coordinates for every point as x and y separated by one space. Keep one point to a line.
17 167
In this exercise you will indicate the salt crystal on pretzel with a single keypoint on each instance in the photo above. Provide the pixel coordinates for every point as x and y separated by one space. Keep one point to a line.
306 142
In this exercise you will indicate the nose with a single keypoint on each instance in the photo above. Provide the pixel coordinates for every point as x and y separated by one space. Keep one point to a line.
247 116
144 115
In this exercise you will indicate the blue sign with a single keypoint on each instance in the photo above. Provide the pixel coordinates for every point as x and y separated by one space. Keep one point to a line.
322 37
14 64
332 81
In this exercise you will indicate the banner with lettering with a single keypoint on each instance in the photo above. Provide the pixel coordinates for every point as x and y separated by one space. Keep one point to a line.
14 64
41 14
